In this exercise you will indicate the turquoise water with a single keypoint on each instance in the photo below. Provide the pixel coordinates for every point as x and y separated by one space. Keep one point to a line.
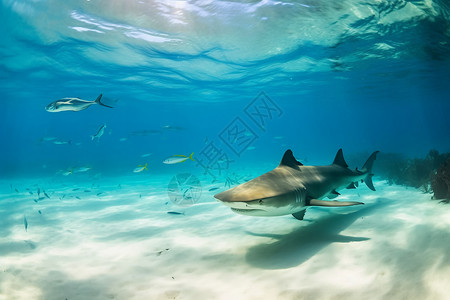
356 75
237 83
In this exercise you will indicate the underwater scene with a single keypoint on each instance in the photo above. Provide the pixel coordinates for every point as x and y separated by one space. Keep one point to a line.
208 149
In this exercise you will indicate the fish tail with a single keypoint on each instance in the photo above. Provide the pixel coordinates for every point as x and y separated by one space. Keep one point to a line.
368 168
92 137
145 167
99 102
190 156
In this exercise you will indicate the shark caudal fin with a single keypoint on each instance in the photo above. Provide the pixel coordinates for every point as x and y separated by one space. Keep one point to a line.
367 168
99 102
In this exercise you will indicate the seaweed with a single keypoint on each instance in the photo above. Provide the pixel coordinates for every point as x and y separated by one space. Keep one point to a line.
422 173
440 182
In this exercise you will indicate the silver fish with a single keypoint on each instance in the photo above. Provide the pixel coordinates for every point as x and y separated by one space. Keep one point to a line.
176 159
99 133
73 104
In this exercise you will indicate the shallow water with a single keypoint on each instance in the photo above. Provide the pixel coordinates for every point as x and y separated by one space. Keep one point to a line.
124 245
236 84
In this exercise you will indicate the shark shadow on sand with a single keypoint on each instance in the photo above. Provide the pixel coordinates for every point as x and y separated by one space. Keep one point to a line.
301 244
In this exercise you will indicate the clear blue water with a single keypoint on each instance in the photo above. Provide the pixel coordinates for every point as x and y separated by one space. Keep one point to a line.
353 74
237 83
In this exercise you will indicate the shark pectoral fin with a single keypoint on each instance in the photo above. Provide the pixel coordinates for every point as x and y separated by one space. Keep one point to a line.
333 194
299 215
317 202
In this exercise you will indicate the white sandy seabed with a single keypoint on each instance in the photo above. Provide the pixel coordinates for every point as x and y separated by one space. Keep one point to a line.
118 242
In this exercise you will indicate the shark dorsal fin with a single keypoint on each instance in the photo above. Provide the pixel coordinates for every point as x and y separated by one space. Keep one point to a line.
289 160
339 159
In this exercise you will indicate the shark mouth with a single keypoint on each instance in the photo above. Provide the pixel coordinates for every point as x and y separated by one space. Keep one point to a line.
246 210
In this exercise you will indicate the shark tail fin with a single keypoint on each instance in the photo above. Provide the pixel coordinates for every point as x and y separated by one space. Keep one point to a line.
99 102
190 156
368 168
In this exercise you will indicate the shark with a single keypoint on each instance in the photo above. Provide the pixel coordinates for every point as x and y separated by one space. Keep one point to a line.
292 187
73 104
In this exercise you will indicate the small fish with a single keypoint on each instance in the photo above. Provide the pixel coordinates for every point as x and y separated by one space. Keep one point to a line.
40 198
175 213
101 193
123 139
45 194
17 191
25 223
40 212
73 104
78 197
30 192
87 191
39 192
146 155
213 189
160 252
99 133
140 168
174 128
251 148
176 159
81 169
75 189
67 173
62 142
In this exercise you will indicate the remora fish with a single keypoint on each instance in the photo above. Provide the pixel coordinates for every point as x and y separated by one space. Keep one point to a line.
176 159
73 104
292 187
99 133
